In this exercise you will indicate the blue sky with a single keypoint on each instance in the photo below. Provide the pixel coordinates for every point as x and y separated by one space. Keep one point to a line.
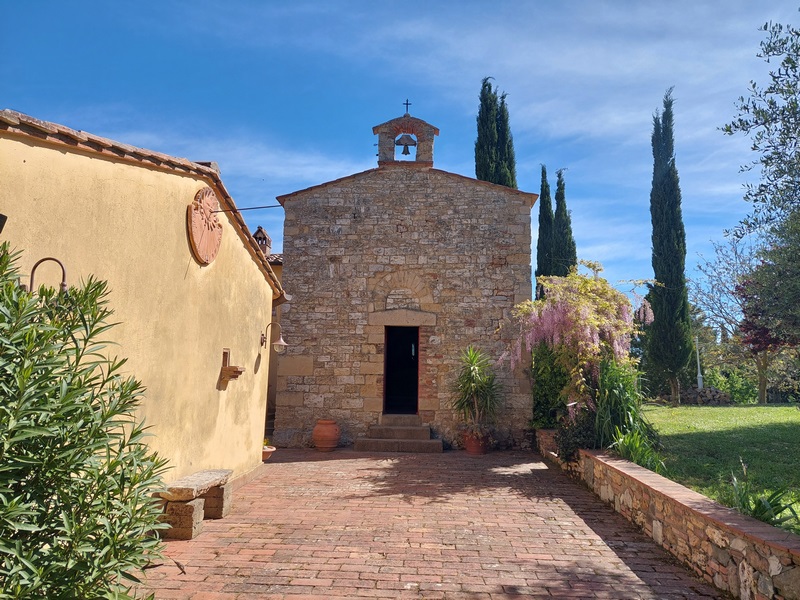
283 95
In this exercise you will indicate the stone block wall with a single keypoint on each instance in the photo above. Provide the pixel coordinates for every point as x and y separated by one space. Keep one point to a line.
401 245
737 554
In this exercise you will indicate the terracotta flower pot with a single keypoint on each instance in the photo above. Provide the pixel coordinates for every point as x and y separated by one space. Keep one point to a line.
266 452
476 445
325 435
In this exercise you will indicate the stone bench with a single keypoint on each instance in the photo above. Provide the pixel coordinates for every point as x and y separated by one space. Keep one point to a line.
190 499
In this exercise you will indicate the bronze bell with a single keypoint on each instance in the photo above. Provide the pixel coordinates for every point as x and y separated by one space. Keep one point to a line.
405 141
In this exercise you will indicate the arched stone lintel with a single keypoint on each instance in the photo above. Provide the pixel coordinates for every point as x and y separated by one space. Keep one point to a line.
402 317
400 280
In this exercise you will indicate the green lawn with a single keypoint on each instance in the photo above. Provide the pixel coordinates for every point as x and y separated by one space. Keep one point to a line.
703 445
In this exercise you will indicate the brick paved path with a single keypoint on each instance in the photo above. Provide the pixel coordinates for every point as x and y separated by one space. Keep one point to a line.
356 525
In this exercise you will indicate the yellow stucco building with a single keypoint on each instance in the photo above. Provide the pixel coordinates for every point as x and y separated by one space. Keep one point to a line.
187 284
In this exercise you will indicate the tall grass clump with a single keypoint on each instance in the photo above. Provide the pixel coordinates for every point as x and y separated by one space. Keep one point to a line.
636 447
618 401
620 422
775 508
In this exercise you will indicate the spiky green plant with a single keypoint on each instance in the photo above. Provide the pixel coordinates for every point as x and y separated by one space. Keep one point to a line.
618 404
635 446
477 394
774 508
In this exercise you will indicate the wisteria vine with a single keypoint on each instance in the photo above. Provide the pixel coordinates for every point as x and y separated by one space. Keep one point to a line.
582 318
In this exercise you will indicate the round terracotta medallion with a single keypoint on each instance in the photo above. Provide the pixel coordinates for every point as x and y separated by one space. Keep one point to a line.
205 229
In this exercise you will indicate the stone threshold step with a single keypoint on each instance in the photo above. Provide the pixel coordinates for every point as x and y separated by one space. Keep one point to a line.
400 420
399 432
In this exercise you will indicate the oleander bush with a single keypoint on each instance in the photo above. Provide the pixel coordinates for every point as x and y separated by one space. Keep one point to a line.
77 513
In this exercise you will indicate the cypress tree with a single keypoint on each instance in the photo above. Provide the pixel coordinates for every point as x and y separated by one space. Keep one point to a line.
669 344
564 252
544 245
495 161
486 144
506 161
549 378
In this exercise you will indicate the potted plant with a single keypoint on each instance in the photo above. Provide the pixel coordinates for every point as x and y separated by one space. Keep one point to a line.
266 450
476 399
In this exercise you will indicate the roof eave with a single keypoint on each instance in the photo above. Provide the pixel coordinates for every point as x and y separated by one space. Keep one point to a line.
17 124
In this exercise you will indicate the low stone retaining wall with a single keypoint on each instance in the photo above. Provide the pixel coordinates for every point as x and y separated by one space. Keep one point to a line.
739 555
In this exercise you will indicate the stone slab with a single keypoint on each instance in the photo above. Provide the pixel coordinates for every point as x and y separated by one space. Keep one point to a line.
183 533
400 420
195 485
395 432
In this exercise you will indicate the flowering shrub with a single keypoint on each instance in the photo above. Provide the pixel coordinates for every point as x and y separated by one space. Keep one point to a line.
582 318
588 326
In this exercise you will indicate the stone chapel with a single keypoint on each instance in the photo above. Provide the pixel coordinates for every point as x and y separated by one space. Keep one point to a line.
394 271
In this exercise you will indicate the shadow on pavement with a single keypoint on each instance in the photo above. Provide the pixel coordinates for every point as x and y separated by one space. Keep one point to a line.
438 478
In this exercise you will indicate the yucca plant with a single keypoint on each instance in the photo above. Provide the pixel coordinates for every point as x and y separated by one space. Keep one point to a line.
477 394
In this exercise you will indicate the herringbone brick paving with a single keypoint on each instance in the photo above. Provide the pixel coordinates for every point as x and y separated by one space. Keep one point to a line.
358 525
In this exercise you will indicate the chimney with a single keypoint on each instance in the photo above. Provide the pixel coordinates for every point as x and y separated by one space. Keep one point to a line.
264 241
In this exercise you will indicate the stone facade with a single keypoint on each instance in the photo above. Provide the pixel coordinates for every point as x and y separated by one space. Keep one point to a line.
402 245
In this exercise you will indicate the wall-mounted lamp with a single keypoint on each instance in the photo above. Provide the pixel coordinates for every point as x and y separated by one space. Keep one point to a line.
62 286
280 346
3 220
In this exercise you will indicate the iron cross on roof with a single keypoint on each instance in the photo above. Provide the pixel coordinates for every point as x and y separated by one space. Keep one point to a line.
406 104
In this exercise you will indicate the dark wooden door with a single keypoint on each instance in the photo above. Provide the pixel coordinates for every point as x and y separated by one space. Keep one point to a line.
401 371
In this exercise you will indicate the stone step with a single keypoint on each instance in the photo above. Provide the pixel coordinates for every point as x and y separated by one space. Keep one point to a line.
418 446
399 432
401 420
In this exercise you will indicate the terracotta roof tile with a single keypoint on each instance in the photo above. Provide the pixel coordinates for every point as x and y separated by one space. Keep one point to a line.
41 125
9 117
18 123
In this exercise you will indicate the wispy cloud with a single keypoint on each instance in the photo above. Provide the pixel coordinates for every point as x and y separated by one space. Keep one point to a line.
289 82
248 157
